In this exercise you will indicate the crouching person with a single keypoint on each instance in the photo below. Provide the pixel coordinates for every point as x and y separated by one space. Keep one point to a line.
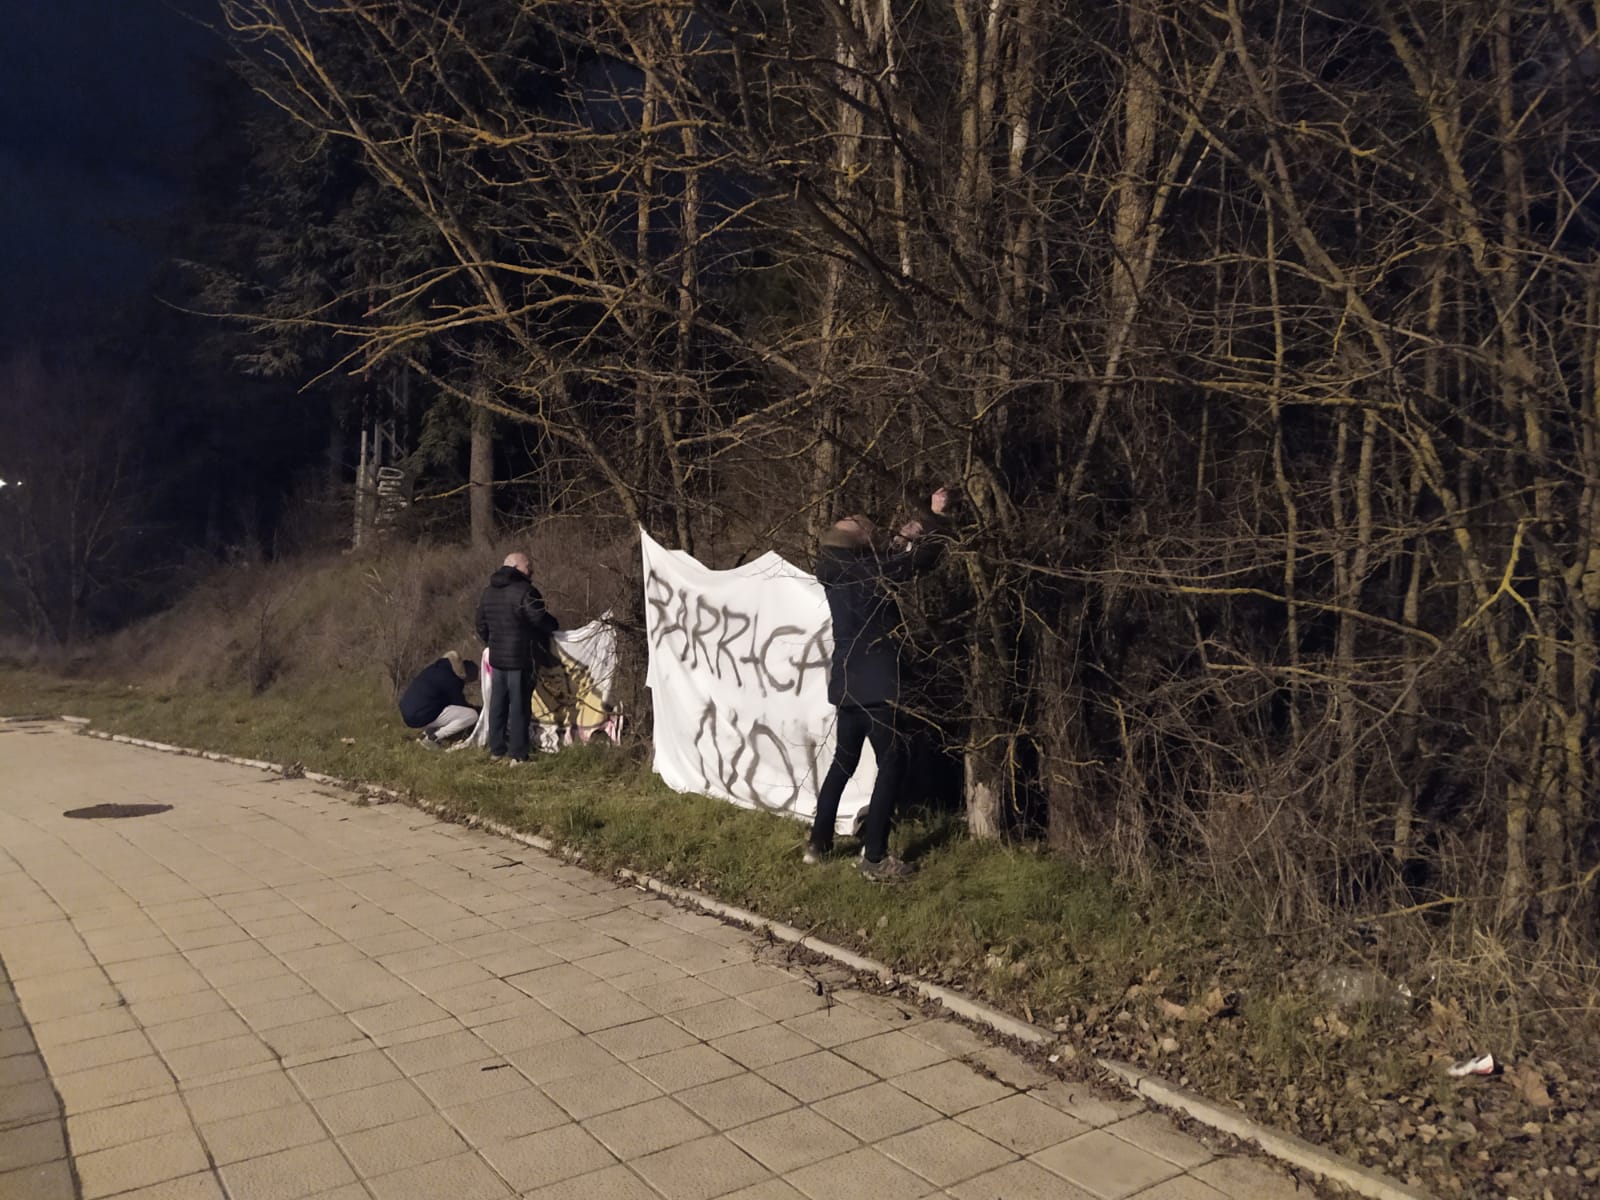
436 700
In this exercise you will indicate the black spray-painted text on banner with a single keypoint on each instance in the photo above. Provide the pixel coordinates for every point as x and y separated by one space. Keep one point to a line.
731 646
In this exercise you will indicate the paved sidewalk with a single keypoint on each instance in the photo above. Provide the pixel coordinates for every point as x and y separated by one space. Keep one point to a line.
268 993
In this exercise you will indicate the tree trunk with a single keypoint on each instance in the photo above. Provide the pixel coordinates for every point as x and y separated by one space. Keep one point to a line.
480 478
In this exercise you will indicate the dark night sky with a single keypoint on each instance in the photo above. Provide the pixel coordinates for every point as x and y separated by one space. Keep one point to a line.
100 106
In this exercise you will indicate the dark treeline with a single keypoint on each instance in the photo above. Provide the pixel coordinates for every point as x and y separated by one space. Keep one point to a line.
1261 340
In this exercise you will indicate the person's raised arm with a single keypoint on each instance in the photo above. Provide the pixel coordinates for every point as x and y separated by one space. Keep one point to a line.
920 548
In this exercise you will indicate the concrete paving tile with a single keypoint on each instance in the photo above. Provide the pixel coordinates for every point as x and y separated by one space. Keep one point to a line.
390 1148
417 1033
771 1189
540 1159
406 963
357 985
202 1185
1183 1187
686 1068
436 1053
120 948
889 1054
260 991
431 981
272 1014
216 1058
196 1031
139 1164
611 1183
95 1052
792 1139
532 1026
143 968
20 1069
699 1170
594 1092
320 1038
234 952
219 1101
863 1174
43 1181
894 1011
167 1009
289 1174
744 978
324 952
470 1081
1104 1165
734 1101
837 1025
876 1111
951 1087
599 1006
550 1061
671 995
1020 1180
1082 1103
640 1039
474 997
1022 1124
258 1133
164 986
511 1114
616 964
816 1076
79 1028
397 1014
369 1107
1155 1133
33 1144
764 1045
125 1123
719 1018
645 1128
486 945
547 982
345 1074
116 1083
1248 1179
945 1153
519 961
378 945
691 953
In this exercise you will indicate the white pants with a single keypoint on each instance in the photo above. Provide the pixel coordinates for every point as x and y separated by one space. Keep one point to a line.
456 718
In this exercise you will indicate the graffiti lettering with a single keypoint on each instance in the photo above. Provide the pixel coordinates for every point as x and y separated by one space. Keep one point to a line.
757 765
719 640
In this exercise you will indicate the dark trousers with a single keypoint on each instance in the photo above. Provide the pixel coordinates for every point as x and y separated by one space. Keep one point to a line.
510 711
878 724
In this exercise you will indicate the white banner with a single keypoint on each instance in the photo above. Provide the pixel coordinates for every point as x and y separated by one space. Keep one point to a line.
571 703
739 679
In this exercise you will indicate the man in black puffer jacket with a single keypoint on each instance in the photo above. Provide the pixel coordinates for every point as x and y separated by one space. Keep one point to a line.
514 624
858 573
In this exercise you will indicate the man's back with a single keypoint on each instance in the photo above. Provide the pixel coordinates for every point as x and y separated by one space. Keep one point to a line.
512 620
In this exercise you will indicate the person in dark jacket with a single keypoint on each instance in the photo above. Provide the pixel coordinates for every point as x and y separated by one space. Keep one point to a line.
858 576
514 624
436 700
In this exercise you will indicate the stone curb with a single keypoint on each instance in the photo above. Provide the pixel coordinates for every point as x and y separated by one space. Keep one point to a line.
1274 1143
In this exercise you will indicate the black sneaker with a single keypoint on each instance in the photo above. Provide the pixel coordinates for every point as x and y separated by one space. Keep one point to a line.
814 855
887 869
428 742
